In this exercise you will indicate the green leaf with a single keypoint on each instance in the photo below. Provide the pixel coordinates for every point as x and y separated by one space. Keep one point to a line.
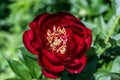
116 65
109 66
116 37
65 75
13 79
91 52
24 51
33 66
102 75
90 68
102 27
97 10
20 69
113 42
115 76
117 7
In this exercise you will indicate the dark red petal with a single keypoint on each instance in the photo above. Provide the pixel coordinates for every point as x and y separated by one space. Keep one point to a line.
89 39
27 38
72 47
81 48
57 19
45 64
77 66
52 67
63 15
78 28
45 70
35 24
50 74
51 57
71 43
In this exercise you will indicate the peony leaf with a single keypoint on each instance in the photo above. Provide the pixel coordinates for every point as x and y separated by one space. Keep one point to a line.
102 27
33 66
89 69
102 75
65 75
117 7
109 72
116 65
116 37
91 53
115 76
98 10
13 79
24 51
20 69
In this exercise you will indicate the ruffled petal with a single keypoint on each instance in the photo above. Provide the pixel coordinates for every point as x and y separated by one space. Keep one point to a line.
50 74
27 38
78 28
46 64
35 24
81 46
71 43
77 66
51 57
56 19
89 39
52 67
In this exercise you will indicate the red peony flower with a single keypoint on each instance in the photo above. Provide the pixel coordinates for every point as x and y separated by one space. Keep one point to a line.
60 40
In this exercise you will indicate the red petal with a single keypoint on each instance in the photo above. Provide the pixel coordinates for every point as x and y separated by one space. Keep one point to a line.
77 66
51 57
72 44
56 19
45 71
81 47
35 24
89 39
78 28
50 66
49 74
27 38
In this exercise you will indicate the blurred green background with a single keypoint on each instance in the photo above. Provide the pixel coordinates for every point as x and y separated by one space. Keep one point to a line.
101 16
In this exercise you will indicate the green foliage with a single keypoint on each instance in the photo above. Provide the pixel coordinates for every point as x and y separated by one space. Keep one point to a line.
13 79
110 71
24 51
101 16
20 69
33 66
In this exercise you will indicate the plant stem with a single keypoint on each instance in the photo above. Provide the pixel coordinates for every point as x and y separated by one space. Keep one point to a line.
113 28
110 33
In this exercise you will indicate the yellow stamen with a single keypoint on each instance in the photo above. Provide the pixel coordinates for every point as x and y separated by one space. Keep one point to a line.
57 39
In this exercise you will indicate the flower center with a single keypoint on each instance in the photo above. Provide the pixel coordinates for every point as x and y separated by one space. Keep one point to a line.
57 39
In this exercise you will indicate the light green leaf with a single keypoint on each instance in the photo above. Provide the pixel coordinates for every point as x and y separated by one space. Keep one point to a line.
20 69
117 6
102 75
116 37
24 51
13 79
103 25
116 65
115 76
97 10
33 66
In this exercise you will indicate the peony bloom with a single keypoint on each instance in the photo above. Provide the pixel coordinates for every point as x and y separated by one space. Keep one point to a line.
60 41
